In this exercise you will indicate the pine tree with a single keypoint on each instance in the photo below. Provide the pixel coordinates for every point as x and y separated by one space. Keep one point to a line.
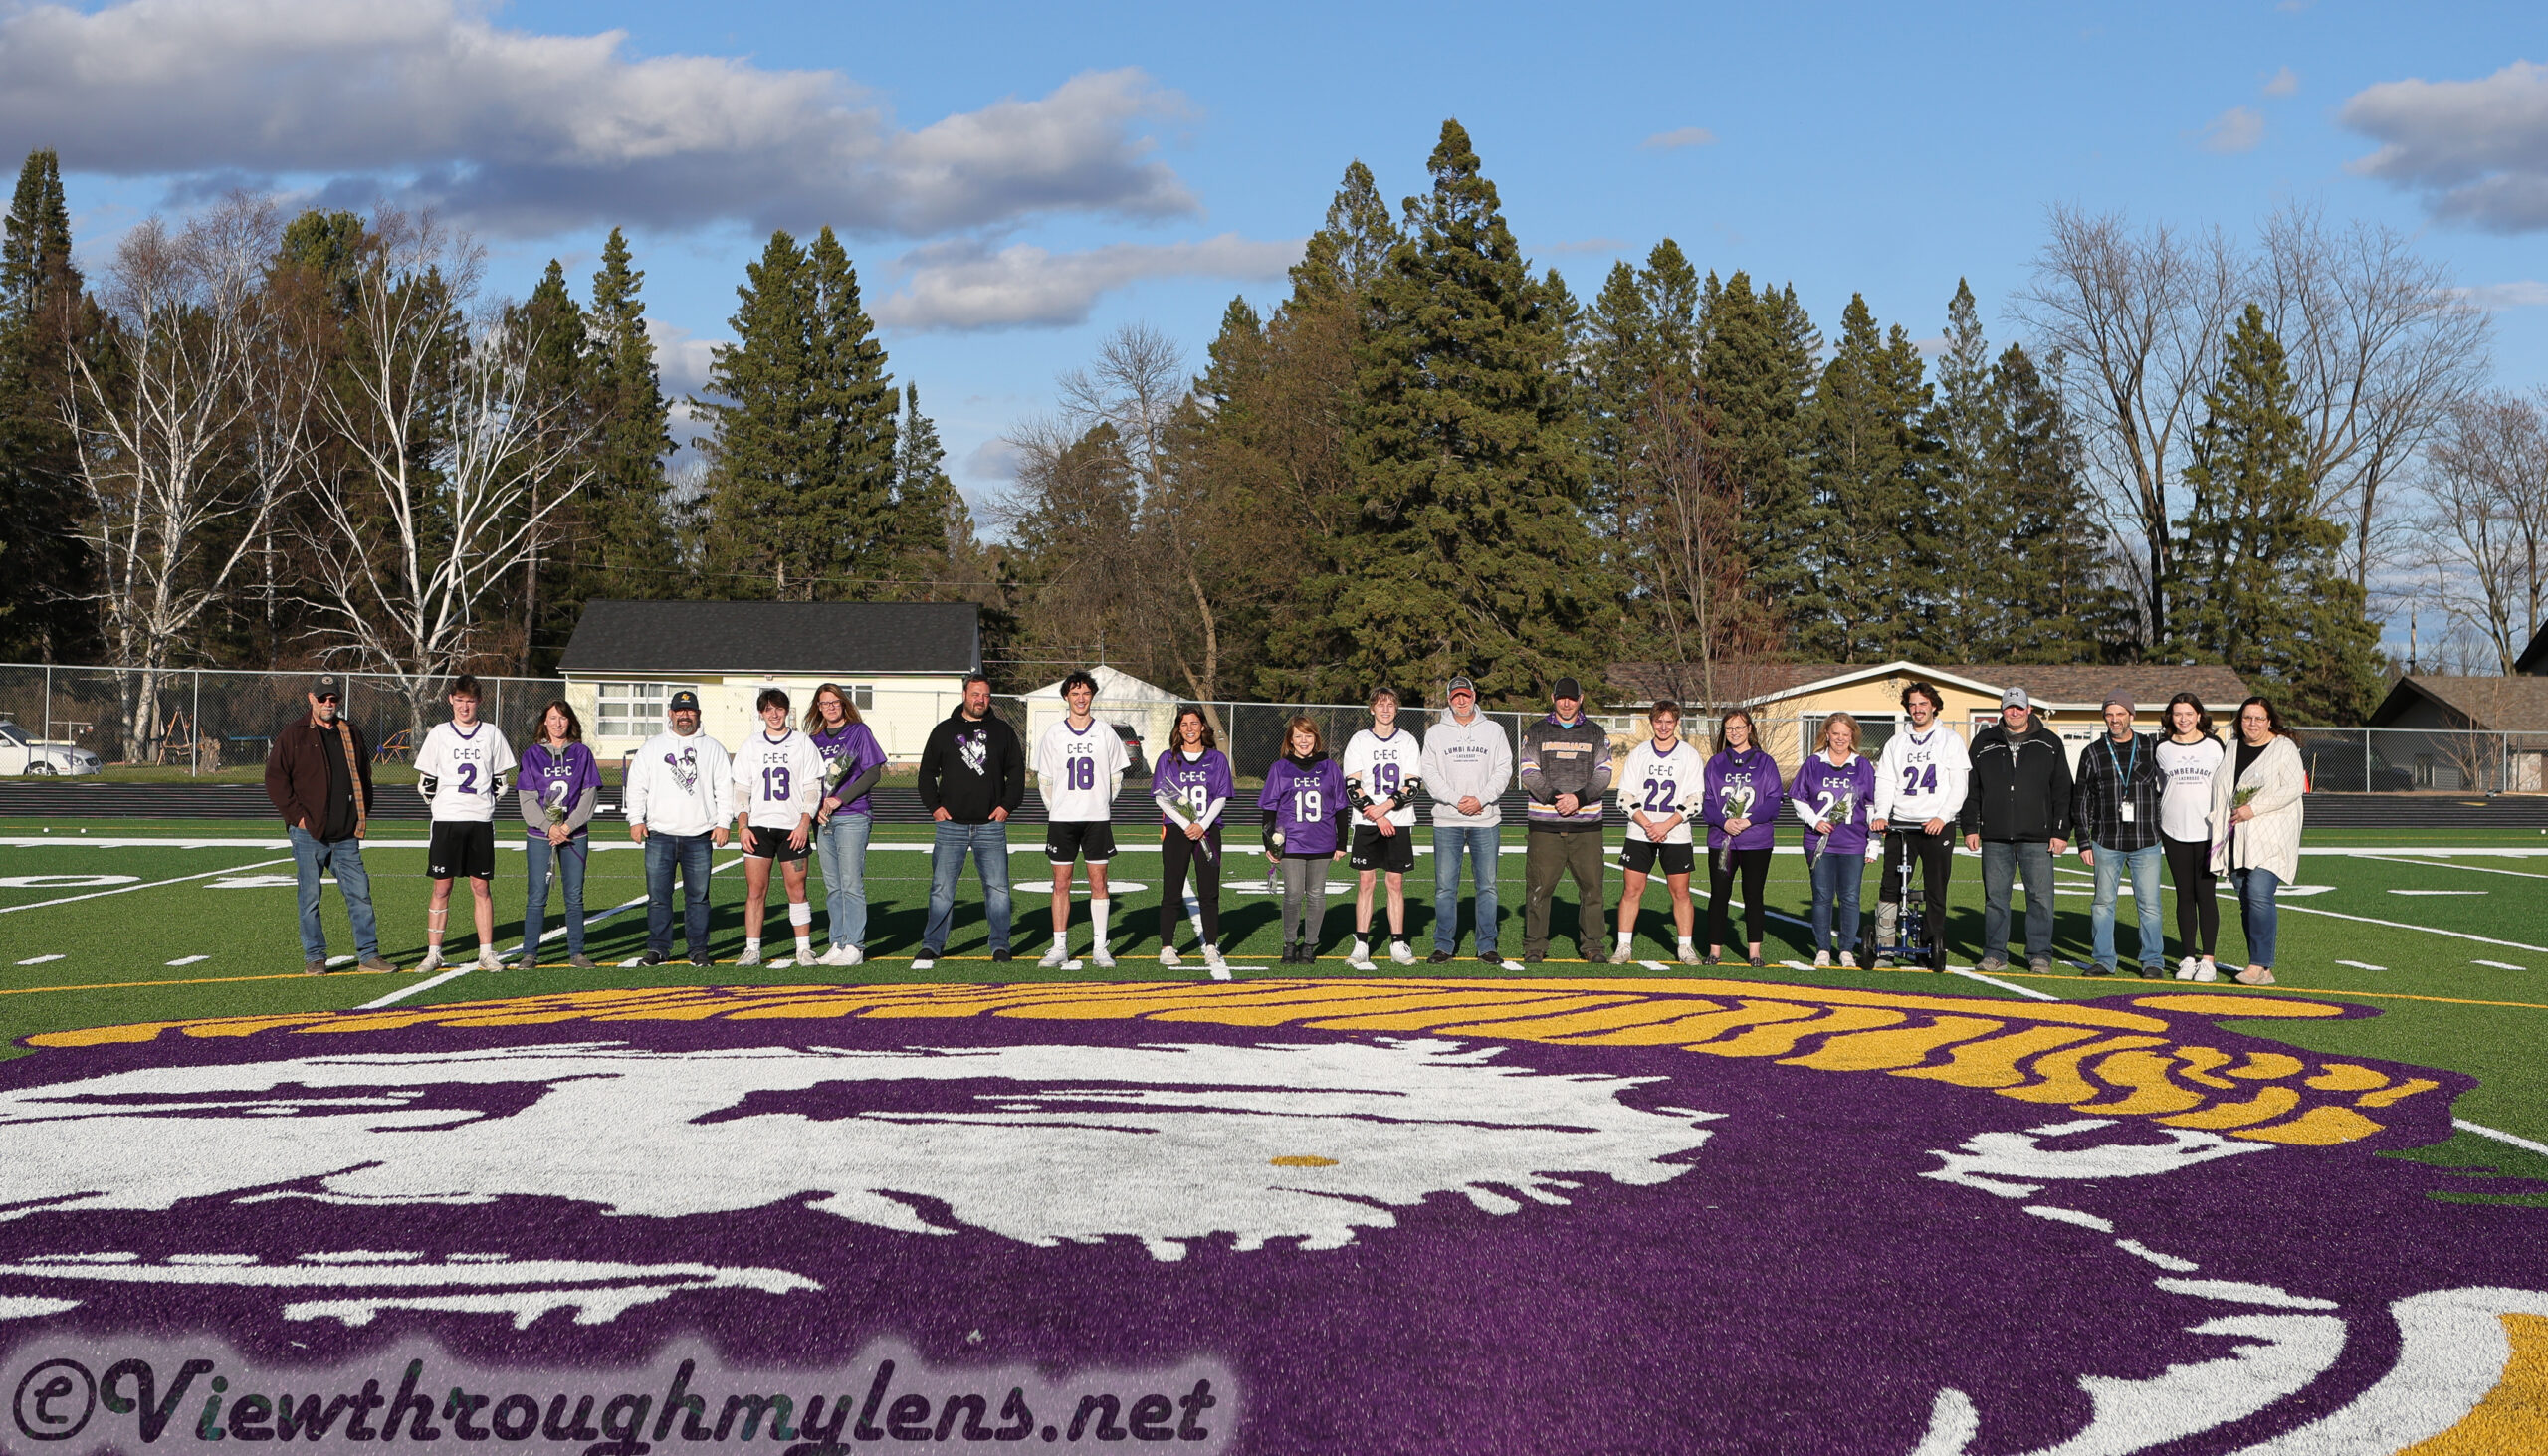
550 329
2049 567
1872 465
1967 421
45 317
1756 366
1344 258
931 531
856 400
1470 553
2260 582
626 550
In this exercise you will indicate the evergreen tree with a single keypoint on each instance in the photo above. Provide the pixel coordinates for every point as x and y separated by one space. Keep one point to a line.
931 531
626 549
549 328
856 402
1757 368
45 317
1968 422
1872 467
1470 553
2051 564
2261 583
1344 258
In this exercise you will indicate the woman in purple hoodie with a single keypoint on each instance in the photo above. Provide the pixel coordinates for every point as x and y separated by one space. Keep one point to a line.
1305 812
1831 794
1740 802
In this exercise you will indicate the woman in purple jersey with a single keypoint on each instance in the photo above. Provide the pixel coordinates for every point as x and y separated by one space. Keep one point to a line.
1305 813
853 761
1191 785
1740 802
558 787
1831 794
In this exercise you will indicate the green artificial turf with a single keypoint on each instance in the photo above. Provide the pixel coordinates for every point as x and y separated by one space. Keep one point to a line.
209 931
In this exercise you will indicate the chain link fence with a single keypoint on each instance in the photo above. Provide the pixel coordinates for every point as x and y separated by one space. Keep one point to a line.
204 719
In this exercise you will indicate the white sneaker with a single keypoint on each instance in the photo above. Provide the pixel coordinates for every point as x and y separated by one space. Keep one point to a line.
1849 960
2207 971
2186 968
1100 958
489 960
1054 957
750 956
1689 955
1361 957
840 955
1213 961
1168 956
1402 953
433 961
1821 961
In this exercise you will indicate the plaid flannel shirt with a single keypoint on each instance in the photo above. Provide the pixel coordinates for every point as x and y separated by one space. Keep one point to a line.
2097 794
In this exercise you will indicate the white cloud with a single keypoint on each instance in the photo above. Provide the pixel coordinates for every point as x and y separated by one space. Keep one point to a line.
2236 130
1679 138
1590 244
995 460
2282 83
966 285
681 361
2529 293
2477 149
425 101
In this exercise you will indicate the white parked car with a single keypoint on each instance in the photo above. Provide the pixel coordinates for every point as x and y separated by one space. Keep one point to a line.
25 755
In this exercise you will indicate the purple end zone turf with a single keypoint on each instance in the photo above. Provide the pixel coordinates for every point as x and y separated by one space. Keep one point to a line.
1380 1216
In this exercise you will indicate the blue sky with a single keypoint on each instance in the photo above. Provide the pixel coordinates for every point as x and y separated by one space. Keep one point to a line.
1016 181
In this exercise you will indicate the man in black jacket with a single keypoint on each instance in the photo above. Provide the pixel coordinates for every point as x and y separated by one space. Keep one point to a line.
318 775
2016 815
973 776
2115 804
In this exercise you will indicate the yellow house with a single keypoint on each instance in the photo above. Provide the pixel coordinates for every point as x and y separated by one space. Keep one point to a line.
902 662
1791 701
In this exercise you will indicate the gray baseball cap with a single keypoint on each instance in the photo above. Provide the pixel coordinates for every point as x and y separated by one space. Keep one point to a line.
2017 698
1461 685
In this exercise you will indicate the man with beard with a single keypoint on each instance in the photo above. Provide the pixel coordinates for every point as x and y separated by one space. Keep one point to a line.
318 775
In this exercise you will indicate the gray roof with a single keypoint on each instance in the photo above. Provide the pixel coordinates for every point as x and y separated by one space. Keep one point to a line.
795 638
2516 704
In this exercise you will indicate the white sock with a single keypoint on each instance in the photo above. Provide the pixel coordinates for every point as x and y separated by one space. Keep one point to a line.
1687 944
1627 939
751 942
1097 921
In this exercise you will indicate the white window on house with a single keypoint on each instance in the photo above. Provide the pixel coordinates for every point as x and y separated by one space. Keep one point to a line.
631 710
863 696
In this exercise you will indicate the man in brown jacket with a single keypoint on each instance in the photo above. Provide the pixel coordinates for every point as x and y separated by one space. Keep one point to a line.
318 775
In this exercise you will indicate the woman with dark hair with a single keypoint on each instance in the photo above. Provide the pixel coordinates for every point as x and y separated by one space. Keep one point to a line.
1191 784
1741 789
2188 754
2255 826
558 787
1305 815
845 819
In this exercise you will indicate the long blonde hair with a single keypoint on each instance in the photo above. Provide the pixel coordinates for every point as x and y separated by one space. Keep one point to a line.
1842 719
815 707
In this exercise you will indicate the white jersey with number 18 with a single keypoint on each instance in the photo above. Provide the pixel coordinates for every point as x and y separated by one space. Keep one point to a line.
1077 771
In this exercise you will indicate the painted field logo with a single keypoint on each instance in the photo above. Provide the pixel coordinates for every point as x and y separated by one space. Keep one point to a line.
1285 1216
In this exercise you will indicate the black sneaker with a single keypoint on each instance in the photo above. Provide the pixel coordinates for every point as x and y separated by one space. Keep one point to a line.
1443 957
1000 955
1757 962
653 957
2151 972
700 959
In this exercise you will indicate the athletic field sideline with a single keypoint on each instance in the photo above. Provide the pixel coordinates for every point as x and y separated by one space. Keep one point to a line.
2442 931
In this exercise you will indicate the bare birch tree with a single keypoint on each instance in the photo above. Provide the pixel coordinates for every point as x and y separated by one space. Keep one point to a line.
2142 314
456 469
188 434
2484 524
2381 348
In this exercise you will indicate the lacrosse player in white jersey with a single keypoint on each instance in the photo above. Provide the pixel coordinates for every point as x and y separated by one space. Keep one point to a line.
1920 779
1659 788
1382 764
1079 763
462 770
779 781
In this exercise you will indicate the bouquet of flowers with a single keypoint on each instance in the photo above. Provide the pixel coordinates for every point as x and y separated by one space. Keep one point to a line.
2238 799
1738 805
834 771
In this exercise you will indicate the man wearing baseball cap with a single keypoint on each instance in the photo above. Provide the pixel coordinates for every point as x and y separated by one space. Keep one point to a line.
1467 763
318 775
1566 768
680 793
2114 800
2017 816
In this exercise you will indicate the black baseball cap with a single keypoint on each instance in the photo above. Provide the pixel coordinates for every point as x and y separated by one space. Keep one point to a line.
681 700
1567 688
326 684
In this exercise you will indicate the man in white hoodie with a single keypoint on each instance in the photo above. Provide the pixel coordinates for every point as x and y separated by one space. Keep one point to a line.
678 790
1467 765
1920 781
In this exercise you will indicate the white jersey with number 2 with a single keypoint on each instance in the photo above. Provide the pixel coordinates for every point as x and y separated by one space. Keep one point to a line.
777 779
1659 785
1077 771
464 768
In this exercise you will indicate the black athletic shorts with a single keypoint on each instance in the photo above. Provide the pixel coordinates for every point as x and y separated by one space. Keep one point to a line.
1374 850
772 844
1092 840
1640 854
461 848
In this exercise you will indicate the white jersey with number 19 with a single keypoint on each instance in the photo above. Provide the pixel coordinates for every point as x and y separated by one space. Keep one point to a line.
1383 766
1077 771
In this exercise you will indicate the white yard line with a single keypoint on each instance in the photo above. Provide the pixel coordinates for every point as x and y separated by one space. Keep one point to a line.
154 885
188 960
2393 925
2362 965
2480 869
2500 964
394 997
2483 1130
41 959
2003 985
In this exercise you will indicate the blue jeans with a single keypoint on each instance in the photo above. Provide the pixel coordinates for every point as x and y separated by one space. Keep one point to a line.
2002 860
2145 865
1836 877
990 844
571 856
692 852
2256 911
1484 845
313 858
841 847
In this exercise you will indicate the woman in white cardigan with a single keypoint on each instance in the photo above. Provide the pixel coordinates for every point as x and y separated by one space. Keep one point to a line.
2258 843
